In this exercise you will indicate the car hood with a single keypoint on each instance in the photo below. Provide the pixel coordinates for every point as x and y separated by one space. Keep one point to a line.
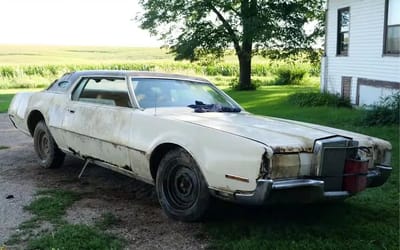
281 135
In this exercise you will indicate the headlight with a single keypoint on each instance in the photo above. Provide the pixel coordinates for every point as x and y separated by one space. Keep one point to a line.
285 165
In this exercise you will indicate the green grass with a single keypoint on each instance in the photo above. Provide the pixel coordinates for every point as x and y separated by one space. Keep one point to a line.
51 204
369 220
76 237
5 100
3 147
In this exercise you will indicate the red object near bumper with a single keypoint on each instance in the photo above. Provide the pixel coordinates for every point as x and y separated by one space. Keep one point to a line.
355 176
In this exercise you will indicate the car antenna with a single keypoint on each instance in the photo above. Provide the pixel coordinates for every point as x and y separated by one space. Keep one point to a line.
155 103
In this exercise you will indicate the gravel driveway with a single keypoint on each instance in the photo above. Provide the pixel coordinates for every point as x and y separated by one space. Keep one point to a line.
143 223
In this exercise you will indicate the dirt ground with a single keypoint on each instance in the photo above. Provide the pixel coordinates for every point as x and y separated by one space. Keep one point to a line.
143 224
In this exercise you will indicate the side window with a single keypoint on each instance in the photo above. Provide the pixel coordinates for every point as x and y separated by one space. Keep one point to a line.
111 91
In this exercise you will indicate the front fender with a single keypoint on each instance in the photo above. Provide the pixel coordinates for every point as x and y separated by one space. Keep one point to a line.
216 152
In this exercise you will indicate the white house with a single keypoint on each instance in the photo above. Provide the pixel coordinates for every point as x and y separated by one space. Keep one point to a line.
362 49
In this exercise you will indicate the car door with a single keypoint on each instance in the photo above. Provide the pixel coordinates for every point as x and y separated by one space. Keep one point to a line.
97 123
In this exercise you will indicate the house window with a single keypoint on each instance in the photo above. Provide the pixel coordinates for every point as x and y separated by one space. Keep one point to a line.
343 31
392 27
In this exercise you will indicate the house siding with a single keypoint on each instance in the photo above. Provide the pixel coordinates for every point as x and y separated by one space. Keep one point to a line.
365 56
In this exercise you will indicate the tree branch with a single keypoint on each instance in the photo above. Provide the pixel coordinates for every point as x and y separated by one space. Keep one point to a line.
234 11
228 28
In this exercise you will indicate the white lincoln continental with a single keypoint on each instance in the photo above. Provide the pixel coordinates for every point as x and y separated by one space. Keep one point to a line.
192 141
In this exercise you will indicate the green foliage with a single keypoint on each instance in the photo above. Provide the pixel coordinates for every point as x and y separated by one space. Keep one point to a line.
314 99
39 76
52 204
385 112
290 75
193 29
76 237
7 71
234 84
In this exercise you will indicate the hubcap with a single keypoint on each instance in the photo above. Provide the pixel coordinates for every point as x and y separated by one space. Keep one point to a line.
181 187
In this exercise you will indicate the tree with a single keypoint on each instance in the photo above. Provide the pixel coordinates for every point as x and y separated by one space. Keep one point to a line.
194 28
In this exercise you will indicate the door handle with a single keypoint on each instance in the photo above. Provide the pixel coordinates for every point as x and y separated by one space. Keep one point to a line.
71 111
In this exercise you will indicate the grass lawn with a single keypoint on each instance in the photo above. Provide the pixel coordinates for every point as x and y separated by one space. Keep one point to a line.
369 220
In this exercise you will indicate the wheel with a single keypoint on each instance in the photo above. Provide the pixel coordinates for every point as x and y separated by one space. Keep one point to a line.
45 147
181 188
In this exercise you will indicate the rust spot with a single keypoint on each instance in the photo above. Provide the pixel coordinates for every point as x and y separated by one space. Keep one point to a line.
290 149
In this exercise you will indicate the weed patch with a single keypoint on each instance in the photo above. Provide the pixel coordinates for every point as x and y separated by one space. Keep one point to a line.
52 204
385 112
76 237
290 74
314 99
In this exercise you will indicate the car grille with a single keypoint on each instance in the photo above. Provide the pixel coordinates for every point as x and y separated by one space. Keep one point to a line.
330 155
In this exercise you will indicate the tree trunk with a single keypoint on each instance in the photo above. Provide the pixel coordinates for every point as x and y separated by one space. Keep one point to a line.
248 10
245 72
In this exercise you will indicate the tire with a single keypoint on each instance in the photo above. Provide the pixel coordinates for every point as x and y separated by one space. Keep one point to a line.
181 188
50 156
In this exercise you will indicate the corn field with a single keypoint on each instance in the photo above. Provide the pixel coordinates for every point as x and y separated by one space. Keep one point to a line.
31 76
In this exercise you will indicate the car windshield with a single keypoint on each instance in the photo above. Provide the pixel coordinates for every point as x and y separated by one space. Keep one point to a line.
202 97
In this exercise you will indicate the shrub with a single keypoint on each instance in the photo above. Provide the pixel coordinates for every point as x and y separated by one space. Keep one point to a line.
385 112
319 99
290 75
234 84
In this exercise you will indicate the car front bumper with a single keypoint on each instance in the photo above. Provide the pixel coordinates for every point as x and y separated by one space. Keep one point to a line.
310 188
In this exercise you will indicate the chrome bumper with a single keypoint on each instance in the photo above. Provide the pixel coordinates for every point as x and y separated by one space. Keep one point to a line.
265 188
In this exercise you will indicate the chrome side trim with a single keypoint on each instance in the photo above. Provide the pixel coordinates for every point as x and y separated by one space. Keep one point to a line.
287 184
336 195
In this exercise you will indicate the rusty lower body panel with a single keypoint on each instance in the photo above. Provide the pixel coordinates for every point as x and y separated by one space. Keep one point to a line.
305 190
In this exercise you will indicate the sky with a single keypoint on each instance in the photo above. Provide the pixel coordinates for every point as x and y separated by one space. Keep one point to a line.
73 22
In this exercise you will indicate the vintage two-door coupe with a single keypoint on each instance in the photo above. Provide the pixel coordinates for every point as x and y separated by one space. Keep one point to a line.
192 141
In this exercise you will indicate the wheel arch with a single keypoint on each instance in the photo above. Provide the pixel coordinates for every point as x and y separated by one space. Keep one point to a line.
35 116
158 153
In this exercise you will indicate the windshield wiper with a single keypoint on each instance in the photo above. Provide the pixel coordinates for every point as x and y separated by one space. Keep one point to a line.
201 107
